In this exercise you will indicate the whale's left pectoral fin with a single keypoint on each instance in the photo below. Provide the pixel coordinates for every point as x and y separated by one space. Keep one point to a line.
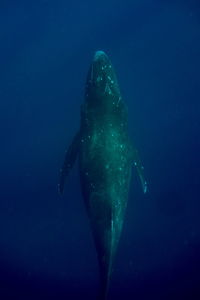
70 158
140 169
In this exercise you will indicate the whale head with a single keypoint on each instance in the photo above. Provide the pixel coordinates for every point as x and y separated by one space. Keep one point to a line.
101 80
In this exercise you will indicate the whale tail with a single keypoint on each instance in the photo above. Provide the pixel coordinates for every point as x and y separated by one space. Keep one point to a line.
104 283
103 294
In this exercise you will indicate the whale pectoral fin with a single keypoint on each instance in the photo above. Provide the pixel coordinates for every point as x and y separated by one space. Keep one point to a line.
70 158
140 169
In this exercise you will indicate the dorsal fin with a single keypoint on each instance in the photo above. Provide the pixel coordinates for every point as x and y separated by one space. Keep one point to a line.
70 158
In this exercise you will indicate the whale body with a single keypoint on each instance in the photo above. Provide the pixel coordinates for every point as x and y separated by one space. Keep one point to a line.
106 157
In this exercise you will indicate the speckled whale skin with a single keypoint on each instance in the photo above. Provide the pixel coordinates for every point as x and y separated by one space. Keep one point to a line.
106 157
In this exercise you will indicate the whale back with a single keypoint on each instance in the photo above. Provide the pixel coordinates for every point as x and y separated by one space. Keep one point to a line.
105 168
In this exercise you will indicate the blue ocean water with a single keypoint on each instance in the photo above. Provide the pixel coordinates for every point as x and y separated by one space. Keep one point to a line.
46 246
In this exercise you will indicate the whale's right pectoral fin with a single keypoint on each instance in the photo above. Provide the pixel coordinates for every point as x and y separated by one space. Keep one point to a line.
70 158
140 169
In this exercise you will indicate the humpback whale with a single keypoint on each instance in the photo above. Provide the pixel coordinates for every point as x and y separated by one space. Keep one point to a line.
106 157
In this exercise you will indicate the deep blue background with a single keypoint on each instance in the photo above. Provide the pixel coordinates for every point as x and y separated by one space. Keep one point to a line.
46 247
